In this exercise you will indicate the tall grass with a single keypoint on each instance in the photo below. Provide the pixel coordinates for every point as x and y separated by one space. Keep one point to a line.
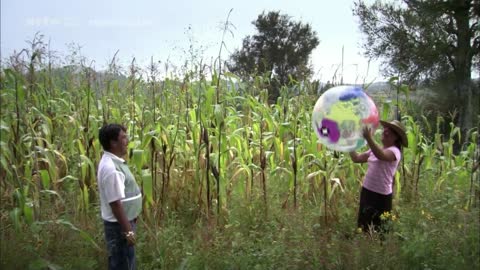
230 180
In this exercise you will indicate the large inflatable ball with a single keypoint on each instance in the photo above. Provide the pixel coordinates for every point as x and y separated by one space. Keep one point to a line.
340 115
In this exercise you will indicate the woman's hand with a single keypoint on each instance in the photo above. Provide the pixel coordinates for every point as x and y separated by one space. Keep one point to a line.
367 132
378 151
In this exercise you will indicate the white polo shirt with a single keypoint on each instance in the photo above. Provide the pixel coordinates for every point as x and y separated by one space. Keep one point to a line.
111 184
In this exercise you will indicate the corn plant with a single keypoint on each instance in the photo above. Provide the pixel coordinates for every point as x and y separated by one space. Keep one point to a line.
210 147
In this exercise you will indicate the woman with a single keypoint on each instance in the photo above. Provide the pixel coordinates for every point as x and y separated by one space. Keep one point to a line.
376 194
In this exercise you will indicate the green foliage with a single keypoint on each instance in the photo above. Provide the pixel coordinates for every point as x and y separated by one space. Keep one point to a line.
420 37
280 50
428 43
229 183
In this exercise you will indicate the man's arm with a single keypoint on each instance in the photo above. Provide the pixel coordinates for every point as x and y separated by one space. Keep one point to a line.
119 213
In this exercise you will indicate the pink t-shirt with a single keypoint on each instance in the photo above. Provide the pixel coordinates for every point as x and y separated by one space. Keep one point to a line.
380 174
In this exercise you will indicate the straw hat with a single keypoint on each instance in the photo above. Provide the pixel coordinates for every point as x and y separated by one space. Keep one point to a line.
398 128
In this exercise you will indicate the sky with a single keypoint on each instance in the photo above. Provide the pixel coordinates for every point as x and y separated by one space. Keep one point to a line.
165 31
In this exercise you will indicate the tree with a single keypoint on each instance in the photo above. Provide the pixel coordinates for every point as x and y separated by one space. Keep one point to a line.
280 49
426 40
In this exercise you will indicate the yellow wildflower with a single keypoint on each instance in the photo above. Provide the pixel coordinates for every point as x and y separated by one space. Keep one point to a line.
385 216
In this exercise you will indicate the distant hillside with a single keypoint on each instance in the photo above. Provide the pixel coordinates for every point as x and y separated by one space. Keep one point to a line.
378 87
74 75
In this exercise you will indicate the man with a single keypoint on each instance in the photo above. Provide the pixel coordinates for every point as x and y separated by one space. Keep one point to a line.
120 198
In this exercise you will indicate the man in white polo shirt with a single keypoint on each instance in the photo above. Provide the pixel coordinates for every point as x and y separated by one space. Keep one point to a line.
120 198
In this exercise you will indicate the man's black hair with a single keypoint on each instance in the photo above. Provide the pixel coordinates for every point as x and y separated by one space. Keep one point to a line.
109 133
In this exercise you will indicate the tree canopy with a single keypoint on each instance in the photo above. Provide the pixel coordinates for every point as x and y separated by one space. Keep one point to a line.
422 40
280 48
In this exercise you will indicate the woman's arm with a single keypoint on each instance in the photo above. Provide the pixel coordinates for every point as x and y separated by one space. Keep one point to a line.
381 154
359 158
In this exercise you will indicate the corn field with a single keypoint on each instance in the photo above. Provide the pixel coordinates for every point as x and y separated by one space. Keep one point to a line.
229 180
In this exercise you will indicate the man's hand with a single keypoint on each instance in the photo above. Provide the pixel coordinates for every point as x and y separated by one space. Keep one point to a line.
130 236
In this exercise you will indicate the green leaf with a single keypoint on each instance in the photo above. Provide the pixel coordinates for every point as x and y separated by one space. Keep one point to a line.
405 89
15 217
4 126
315 174
336 183
231 75
86 164
85 197
81 148
386 111
52 192
147 187
398 186
138 159
28 212
210 94
69 225
45 177
218 114
20 93
392 80
4 163
67 177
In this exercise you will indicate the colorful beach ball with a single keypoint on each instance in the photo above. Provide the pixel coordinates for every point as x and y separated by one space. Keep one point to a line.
340 115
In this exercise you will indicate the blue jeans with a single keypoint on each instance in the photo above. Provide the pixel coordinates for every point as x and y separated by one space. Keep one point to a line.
121 256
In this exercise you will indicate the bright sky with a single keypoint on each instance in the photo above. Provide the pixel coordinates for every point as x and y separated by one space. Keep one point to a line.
159 29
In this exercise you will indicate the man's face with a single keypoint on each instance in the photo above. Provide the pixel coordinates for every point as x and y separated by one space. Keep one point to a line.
121 144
